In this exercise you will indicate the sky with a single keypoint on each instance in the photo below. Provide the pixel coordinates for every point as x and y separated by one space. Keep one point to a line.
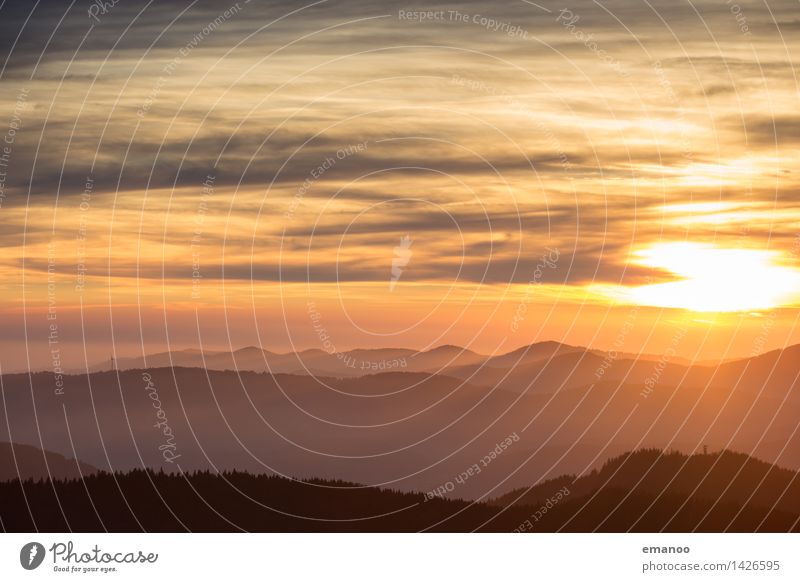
621 175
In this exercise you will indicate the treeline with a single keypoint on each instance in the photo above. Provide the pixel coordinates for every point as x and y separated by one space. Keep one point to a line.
644 491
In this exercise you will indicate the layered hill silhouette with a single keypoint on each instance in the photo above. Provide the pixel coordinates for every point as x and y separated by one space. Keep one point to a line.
28 462
318 362
679 486
358 362
414 431
644 491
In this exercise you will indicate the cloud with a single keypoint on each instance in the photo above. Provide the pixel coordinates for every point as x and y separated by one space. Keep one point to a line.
776 131
513 143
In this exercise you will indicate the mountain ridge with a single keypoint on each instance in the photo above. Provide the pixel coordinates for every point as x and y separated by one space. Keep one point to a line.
355 361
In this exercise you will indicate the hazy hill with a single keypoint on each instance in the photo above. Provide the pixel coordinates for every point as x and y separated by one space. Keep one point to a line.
28 462
453 360
412 430
356 362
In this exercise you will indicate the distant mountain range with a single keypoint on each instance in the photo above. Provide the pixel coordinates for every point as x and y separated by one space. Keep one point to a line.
411 429
28 462
358 362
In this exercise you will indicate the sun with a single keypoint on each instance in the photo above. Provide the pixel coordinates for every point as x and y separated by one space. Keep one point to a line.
711 278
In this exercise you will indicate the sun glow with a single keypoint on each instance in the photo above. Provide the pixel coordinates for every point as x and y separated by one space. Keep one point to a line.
715 279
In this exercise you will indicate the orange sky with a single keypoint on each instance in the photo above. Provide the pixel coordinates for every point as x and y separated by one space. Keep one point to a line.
491 176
